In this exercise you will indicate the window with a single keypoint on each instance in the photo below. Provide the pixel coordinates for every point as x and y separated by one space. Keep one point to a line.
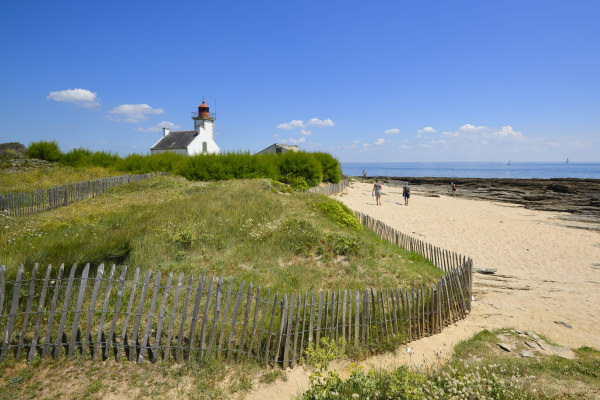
204 147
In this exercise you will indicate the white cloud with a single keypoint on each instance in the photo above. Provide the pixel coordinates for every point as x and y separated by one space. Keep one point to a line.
355 142
404 147
321 122
381 141
81 97
294 141
507 131
158 127
293 124
392 131
133 112
305 132
427 129
468 128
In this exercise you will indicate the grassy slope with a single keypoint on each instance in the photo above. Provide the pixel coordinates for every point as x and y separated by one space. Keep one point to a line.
54 175
242 229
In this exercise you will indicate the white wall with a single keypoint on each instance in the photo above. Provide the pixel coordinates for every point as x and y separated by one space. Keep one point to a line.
205 134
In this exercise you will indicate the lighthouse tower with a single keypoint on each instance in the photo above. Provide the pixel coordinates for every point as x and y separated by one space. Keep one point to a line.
204 124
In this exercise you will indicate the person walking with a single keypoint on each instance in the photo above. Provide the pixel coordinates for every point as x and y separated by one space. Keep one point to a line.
364 175
377 191
453 188
406 193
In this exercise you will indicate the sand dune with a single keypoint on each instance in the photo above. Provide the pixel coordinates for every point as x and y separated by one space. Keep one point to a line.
546 272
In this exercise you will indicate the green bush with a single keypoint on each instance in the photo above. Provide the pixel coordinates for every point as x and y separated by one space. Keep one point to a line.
330 166
299 164
87 158
338 212
44 150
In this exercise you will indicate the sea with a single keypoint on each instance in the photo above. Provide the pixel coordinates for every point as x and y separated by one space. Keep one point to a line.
516 170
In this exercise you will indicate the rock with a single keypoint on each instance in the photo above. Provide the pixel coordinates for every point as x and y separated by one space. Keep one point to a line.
505 347
526 353
559 188
563 324
542 344
563 352
530 344
533 336
483 270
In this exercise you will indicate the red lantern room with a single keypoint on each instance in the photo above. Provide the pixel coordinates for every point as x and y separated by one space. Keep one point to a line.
203 110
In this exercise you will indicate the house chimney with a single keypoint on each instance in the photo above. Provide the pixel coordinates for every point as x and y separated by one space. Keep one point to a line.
165 131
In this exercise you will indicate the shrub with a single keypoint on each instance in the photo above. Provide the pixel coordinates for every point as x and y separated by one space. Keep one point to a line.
331 167
44 150
299 164
338 212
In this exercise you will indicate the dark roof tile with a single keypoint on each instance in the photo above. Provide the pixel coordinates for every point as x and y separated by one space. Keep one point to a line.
175 140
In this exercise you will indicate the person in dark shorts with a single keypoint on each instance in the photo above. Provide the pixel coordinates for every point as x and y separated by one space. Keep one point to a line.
453 188
406 193
377 191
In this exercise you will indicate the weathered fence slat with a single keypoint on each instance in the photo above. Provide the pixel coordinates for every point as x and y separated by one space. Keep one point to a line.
320 312
195 312
36 332
186 304
254 322
295 333
98 344
27 310
13 312
167 349
91 309
77 316
262 325
234 320
304 327
63 318
270 333
47 338
121 344
138 318
145 338
161 316
204 326
215 323
288 333
246 317
225 314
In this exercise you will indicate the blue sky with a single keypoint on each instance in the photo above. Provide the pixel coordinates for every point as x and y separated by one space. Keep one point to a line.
371 81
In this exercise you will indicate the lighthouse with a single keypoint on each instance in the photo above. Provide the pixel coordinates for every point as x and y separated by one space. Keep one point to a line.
199 141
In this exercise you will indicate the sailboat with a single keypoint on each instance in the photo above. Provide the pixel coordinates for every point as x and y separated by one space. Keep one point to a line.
508 163
566 162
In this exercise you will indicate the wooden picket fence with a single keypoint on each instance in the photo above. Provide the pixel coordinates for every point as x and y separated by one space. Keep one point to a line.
331 188
93 313
25 203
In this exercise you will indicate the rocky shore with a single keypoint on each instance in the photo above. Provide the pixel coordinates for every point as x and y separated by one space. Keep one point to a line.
580 198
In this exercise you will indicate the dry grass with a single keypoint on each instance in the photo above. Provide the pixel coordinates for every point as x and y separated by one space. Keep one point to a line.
54 175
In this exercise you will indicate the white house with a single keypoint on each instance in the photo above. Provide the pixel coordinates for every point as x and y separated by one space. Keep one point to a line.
199 141
277 148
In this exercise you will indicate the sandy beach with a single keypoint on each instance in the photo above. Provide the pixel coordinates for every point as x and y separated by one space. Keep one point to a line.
546 272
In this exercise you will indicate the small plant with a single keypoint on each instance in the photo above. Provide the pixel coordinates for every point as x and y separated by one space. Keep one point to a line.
44 150
338 212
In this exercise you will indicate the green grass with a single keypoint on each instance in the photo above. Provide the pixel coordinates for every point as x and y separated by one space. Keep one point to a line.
49 177
241 229
478 369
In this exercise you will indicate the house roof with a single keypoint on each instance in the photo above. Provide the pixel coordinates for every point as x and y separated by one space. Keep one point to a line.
175 140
